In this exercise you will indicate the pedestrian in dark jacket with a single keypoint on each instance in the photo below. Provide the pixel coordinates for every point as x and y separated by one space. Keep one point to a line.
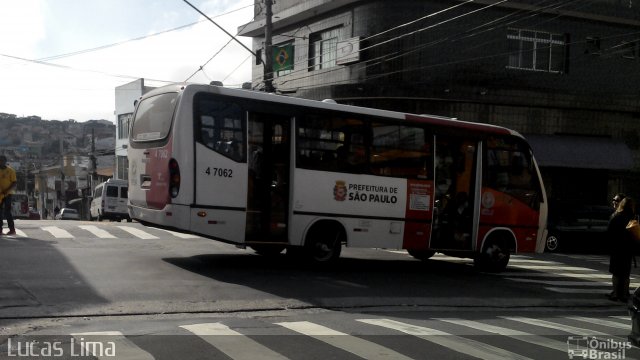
621 249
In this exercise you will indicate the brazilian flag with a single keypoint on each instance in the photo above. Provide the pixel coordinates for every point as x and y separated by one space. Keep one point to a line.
283 57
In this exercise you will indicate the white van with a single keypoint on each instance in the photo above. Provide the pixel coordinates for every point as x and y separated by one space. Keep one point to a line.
110 201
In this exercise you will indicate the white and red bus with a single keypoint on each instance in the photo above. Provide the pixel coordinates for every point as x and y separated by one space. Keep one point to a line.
273 173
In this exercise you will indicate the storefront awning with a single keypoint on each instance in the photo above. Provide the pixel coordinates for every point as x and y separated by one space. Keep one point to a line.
580 152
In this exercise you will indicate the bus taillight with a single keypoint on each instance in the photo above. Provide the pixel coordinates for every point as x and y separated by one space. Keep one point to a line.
174 178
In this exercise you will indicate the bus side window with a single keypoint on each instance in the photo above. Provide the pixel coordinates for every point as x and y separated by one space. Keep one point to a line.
510 169
220 126
322 144
401 151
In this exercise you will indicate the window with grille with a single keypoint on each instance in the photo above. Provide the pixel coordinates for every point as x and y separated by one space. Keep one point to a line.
123 125
536 51
323 48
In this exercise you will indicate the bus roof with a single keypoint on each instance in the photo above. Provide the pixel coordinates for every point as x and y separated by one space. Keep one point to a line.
270 97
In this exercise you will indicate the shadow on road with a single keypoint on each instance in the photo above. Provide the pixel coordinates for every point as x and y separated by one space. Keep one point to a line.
374 282
37 280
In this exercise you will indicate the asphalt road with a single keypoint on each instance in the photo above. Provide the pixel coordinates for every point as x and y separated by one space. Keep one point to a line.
156 294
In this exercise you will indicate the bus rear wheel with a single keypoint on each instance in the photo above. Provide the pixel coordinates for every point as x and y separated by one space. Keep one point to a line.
421 254
494 257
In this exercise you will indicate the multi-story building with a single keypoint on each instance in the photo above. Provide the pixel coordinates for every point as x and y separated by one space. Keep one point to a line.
564 73
125 95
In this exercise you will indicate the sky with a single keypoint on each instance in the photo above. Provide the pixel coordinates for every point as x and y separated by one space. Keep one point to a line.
36 80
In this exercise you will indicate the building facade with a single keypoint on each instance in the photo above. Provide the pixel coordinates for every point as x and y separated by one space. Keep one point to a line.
125 95
563 73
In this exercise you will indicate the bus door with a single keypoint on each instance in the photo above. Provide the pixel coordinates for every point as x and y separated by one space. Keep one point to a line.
268 192
455 188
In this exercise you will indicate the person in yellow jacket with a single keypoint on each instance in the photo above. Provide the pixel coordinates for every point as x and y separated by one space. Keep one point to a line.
7 186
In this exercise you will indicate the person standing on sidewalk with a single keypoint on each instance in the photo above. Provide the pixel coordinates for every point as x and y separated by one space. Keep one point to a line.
7 186
621 249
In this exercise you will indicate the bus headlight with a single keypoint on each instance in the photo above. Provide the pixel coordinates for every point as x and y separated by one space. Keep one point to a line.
174 178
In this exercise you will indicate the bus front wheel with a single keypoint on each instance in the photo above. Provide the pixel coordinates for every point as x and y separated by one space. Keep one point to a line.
324 245
552 244
494 257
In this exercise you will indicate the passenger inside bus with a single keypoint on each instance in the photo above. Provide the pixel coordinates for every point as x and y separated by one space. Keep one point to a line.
342 158
459 219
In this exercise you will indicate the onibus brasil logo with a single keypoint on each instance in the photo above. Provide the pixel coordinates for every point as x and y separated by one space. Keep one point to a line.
590 347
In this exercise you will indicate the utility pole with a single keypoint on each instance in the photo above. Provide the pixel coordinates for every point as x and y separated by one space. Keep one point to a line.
62 190
94 165
268 48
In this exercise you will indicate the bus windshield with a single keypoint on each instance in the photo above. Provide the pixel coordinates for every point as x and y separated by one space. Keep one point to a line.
154 117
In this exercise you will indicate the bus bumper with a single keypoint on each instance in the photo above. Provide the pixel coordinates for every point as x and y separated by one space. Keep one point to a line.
175 216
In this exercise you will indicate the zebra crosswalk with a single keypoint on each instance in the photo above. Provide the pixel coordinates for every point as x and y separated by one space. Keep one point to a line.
99 231
553 274
367 337
579 280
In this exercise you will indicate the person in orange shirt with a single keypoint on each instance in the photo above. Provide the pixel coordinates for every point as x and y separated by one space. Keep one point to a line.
7 186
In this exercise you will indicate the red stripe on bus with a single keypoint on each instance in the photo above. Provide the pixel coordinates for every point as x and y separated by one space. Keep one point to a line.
458 124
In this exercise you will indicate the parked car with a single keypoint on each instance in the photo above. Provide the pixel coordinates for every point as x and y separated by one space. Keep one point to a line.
110 201
34 214
68 214
578 229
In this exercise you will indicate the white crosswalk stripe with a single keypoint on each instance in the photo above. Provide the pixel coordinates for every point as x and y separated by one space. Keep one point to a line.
113 344
573 330
217 334
551 267
577 290
516 334
457 343
57 232
98 232
357 346
602 322
179 234
625 318
567 283
138 233
553 275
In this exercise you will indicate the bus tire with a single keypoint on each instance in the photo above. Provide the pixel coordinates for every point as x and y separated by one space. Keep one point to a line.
268 249
552 243
494 257
421 254
324 242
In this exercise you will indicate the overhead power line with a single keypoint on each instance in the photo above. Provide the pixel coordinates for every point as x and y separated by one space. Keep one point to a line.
78 69
220 27
102 47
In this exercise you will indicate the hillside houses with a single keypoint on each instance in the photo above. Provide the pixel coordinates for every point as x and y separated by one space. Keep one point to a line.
53 158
